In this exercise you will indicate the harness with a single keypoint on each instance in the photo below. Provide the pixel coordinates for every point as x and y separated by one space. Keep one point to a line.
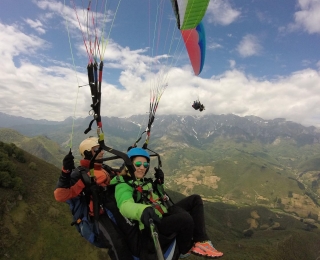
145 196
87 195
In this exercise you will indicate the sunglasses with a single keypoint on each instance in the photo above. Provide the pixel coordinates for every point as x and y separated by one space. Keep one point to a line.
138 164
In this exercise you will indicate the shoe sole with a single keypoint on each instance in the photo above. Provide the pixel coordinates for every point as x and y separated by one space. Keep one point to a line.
205 250
205 255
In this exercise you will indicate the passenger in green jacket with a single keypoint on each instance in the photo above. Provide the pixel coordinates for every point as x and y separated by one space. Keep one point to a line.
137 200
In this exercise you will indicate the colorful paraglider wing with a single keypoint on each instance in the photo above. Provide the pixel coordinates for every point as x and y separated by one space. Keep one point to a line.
195 41
189 13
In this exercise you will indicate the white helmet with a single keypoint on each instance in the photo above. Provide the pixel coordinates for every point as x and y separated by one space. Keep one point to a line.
87 144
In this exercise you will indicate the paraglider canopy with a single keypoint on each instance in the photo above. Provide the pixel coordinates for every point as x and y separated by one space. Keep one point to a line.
189 14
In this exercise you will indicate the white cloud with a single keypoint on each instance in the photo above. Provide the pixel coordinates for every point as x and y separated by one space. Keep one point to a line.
15 42
214 45
232 63
32 90
249 46
306 63
291 97
264 17
37 25
75 15
307 17
221 12
50 92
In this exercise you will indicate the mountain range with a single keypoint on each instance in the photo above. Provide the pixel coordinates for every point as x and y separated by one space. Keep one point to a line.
194 131
225 158
35 226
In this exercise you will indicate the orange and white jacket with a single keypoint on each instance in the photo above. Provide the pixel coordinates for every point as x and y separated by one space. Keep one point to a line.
70 185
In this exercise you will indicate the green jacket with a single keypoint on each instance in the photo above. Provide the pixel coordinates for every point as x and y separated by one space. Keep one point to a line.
125 200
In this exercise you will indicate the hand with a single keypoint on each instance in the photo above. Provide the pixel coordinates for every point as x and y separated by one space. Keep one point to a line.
68 162
159 175
112 172
147 214
130 147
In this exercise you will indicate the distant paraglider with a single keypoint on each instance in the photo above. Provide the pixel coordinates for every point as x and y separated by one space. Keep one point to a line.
197 105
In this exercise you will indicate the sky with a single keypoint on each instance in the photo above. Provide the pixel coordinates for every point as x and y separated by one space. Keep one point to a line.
262 59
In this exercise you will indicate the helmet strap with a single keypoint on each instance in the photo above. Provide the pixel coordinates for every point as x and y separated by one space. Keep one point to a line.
87 155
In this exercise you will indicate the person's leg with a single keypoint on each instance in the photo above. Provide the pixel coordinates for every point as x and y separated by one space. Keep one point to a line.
129 229
203 246
177 221
194 205
114 239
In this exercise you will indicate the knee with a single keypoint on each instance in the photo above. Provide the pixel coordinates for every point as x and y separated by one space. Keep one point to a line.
187 220
197 200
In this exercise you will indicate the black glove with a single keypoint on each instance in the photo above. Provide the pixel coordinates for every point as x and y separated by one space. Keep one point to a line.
147 214
68 162
159 175
112 172
130 147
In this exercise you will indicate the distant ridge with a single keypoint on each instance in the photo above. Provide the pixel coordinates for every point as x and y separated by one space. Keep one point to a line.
241 160
9 121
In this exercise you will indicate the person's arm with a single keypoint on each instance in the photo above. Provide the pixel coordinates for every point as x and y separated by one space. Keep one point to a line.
69 184
159 175
127 207
65 190
112 172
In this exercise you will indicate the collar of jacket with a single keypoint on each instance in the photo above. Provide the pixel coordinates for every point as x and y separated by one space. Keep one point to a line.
86 163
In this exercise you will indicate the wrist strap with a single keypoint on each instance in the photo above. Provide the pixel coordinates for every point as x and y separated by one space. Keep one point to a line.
65 171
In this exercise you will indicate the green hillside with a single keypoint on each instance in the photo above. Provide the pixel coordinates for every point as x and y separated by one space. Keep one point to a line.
248 174
34 226
254 232
40 146
282 175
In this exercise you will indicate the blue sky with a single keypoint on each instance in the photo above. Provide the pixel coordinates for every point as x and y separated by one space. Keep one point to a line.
262 59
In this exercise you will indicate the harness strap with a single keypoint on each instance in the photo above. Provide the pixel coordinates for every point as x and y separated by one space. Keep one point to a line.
162 194
149 200
155 204
144 195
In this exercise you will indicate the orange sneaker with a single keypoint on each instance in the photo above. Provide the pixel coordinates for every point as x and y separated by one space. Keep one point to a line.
206 249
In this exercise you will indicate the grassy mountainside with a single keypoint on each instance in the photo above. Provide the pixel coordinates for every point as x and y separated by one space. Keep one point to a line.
248 174
254 232
118 132
40 146
280 175
34 226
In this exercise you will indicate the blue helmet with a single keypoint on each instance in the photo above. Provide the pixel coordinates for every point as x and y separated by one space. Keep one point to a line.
133 152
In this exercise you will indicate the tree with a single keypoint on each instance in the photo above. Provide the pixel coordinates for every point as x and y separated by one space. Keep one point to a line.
20 156
5 179
9 148
18 185
9 167
3 156
32 166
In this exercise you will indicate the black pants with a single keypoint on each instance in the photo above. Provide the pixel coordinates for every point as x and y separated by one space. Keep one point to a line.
121 236
114 240
186 220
